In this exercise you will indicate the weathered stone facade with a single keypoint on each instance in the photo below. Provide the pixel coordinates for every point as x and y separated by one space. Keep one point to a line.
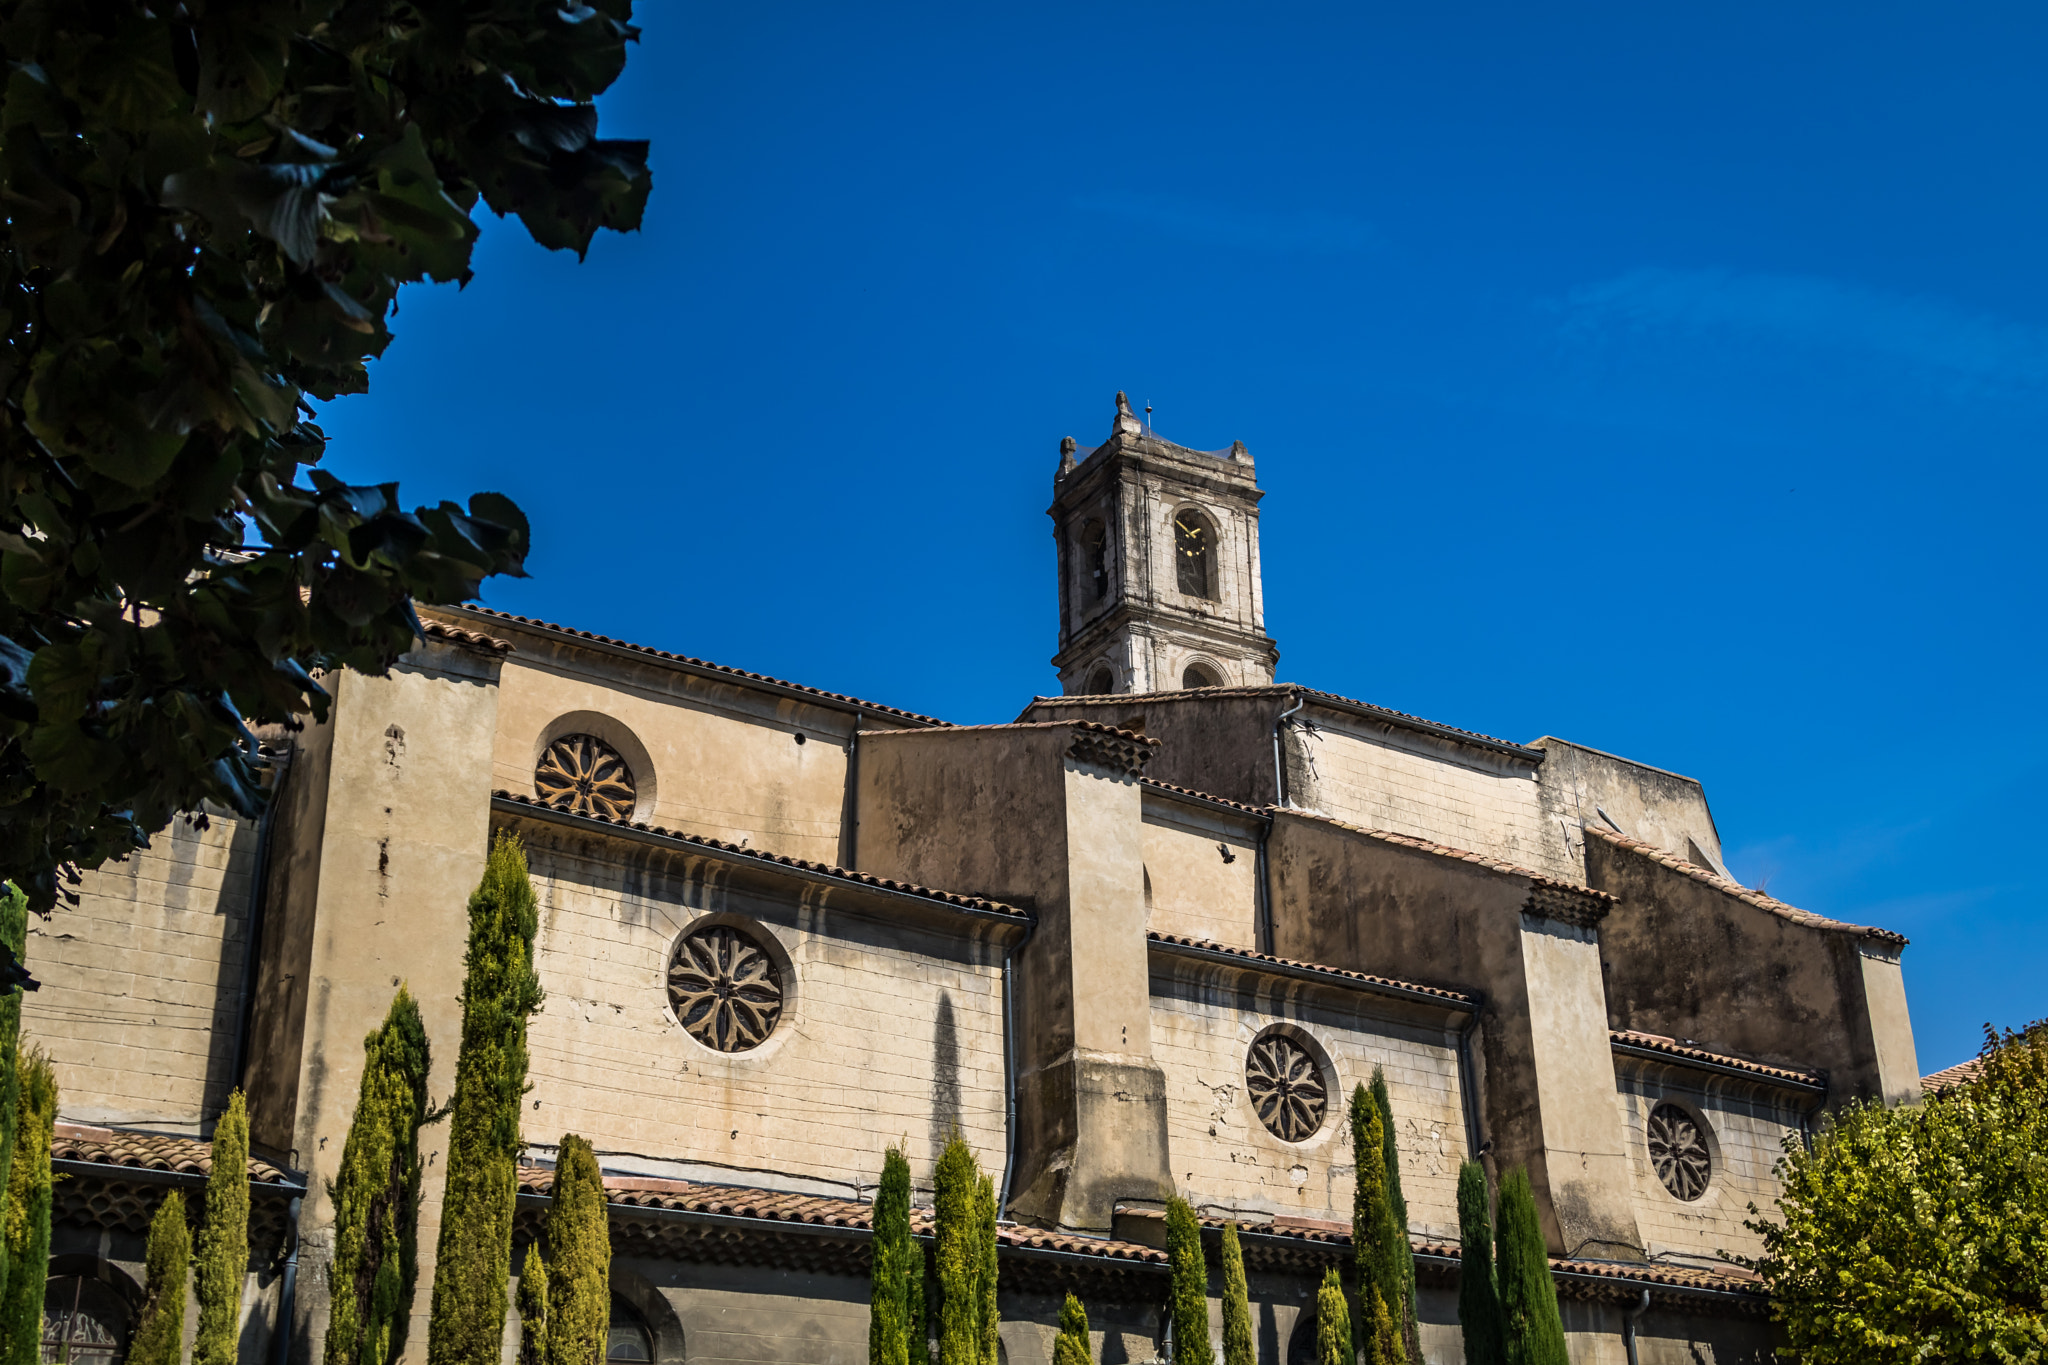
1083 940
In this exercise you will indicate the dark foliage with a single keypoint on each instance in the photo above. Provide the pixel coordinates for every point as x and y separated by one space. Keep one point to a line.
1478 1294
1190 1285
1239 1345
890 1265
1071 1346
579 1275
223 1260
167 1260
210 210
1532 1332
28 1212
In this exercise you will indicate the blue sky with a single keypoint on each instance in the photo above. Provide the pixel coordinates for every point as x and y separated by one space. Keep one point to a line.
1675 384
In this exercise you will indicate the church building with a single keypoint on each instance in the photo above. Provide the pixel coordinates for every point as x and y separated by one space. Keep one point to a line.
1140 942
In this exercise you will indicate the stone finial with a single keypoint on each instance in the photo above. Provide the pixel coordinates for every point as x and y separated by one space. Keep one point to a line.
1127 423
1067 447
1238 454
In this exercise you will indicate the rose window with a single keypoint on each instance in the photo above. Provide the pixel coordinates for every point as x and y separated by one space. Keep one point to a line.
1286 1087
1678 1151
725 988
585 776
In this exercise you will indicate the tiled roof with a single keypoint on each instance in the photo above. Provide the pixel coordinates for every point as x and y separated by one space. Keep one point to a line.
844 701
1671 1047
528 804
1948 1078
1338 975
1207 798
152 1152
1462 855
1730 1280
817 1211
1743 893
1364 708
473 639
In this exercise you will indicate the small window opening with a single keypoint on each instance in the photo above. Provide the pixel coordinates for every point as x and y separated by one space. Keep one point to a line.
84 1321
1101 682
1198 675
628 1339
1095 561
1194 542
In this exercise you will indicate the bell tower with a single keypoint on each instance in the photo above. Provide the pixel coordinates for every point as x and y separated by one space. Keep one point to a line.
1159 565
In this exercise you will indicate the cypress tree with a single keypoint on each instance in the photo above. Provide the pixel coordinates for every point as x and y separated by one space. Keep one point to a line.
28 1213
1071 1346
1239 1347
499 994
889 1276
533 1309
377 1196
1190 1285
579 1306
917 1327
957 1228
987 1316
1333 1323
1532 1331
1373 1233
223 1260
167 1259
1402 1250
1478 1295
13 933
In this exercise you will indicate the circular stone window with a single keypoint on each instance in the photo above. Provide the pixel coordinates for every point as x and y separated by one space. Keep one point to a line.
725 988
1678 1152
584 775
1286 1086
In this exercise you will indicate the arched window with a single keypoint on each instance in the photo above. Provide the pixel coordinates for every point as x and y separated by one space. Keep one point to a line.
85 1321
1200 675
1194 553
1094 562
1101 682
628 1341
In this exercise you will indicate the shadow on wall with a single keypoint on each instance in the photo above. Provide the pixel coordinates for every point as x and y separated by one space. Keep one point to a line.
945 1077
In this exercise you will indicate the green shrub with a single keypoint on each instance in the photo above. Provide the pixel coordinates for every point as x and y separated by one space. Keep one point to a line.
167 1259
533 1309
1239 1346
1071 1346
889 1273
1333 1323
499 994
28 1212
376 1196
1532 1332
957 1237
1401 1249
1920 1233
1190 1285
223 1259
1478 1294
13 933
918 1325
987 1317
579 1237
1379 1248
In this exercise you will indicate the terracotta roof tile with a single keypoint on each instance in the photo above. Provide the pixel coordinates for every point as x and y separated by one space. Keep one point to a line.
1449 997
1743 893
1209 798
151 1152
473 639
699 665
1948 1078
1462 855
545 811
1365 708
1671 1047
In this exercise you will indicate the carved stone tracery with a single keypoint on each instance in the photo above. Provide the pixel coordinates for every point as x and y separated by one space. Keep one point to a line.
585 776
1286 1086
1678 1152
725 988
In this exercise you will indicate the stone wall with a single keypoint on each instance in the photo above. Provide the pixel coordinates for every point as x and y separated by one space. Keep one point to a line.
1205 1018
141 998
1746 1126
1190 888
893 1031
1378 776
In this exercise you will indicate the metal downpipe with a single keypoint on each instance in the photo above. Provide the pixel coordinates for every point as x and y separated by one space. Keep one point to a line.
1628 1326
